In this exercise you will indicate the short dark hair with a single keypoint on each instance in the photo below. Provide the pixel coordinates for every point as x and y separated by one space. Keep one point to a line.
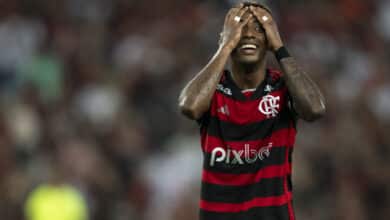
247 3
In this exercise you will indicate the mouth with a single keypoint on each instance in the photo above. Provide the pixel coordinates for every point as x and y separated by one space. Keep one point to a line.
248 48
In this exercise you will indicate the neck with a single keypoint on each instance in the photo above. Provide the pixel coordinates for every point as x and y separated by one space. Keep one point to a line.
248 76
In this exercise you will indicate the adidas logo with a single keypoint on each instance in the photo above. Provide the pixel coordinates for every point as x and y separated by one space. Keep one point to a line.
224 110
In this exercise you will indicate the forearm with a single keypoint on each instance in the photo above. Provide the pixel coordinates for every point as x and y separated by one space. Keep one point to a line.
196 96
308 100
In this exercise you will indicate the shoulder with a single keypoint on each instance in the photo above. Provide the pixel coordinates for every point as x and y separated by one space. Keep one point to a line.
275 74
279 84
275 78
224 76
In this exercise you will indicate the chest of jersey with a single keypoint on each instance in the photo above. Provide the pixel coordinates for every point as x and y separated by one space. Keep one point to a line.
251 110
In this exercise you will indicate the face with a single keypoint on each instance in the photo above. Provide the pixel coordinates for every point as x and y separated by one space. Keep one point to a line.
253 44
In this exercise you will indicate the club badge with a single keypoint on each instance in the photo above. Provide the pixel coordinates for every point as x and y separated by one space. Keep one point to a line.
269 105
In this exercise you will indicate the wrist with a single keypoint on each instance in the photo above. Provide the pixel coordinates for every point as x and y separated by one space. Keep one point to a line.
281 53
277 47
225 49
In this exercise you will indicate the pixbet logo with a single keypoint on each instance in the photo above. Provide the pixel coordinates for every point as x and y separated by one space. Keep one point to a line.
231 156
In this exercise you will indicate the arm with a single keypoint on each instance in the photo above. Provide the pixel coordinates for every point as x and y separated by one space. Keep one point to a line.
196 96
309 103
308 100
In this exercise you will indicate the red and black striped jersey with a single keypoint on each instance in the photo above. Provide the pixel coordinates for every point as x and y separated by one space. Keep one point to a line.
247 143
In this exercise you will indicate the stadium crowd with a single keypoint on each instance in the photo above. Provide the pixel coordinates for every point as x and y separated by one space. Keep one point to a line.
88 94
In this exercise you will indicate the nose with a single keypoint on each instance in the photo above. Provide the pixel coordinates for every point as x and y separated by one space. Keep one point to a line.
247 32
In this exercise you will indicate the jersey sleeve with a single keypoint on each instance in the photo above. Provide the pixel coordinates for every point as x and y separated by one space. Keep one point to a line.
203 121
205 118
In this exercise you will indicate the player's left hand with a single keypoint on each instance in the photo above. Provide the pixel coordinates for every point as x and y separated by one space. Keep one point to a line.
270 27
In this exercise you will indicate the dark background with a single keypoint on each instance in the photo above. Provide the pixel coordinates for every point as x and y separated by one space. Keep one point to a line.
88 94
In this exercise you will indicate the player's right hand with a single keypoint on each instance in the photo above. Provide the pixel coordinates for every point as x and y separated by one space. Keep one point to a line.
232 28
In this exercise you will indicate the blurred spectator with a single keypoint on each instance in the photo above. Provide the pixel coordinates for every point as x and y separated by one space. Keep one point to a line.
20 39
94 85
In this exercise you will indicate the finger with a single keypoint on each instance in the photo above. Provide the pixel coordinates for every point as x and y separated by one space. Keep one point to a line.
242 12
232 12
246 20
239 14
246 14
228 16
235 12
261 14
237 8
258 9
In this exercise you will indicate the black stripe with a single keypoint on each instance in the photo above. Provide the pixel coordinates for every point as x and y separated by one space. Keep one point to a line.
289 183
258 213
239 194
290 154
254 131
237 93
269 81
257 95
277 156
236 96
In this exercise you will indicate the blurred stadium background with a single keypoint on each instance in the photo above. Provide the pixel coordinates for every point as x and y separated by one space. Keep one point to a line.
88 116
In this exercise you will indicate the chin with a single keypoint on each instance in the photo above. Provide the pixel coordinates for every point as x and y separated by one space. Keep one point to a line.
248 59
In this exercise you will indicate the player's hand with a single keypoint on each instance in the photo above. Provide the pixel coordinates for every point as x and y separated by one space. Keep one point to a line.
270 27
232 28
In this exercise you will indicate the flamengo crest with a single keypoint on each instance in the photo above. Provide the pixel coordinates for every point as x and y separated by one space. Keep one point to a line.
269 105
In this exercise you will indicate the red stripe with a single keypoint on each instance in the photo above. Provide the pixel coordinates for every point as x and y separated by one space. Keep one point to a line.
242 112
290 211
289 168
283 137
247 178
290 208
234 207
275 74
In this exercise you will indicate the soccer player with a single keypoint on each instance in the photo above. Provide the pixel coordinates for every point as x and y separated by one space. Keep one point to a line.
248 118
